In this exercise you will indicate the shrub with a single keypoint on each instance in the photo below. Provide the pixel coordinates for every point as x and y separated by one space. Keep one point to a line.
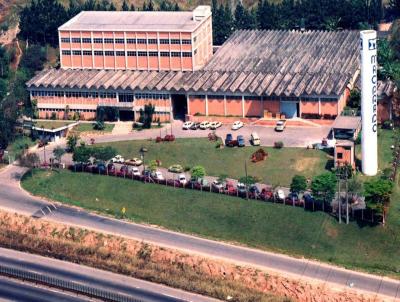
278 145
99 125
53 116
358 139
387 125
187 168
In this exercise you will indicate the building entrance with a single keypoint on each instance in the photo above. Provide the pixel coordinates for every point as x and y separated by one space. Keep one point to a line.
179 106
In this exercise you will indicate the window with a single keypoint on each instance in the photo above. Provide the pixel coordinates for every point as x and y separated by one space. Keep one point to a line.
108 40
125 97
164 54
65 40
329 99
131 41
194 39
187 54
109 53
76 40
120 53
233 97
76 52
186 41
195 52
98 53
175 54
87 52
98 40
164 41
141 41
86 40
252 98
152 41
66 52
175 41
110 95
119 41
142 54
339 155
216 97
131 53
153 53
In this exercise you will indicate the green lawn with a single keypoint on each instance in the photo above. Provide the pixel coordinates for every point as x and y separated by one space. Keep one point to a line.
278 169
88 127
257 224
52 124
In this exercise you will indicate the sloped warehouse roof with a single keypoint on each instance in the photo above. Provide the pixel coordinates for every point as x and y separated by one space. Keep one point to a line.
281 63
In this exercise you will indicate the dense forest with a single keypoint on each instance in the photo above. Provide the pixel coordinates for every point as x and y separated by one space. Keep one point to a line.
40 19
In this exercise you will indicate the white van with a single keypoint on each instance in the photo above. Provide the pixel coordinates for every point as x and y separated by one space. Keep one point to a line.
255 139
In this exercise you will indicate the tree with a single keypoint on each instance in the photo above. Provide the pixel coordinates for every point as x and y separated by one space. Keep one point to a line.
112 7
354 99
72 141
244 19
146 115
323 187
125 6
103 154
248 180
222 178
153 165
81 154
132 8
299 184
198 172
58 153
377 195
30 160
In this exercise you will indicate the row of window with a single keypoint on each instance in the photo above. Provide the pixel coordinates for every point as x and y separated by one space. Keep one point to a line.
127 41
123 97
62 110
111 53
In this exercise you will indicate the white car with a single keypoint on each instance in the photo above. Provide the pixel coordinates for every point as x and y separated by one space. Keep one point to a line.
118 159
280 194
187 125
135 171
280 125
217 185
215 125
157 175
237 125
182 179
204 125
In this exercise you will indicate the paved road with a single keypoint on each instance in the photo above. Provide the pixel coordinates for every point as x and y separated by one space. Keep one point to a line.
13 290
12 198
139 289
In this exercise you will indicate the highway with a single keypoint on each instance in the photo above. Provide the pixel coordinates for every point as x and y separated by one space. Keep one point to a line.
15 199
13 290
123 285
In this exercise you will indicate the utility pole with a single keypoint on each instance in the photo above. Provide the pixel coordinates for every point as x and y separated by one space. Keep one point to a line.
347 198
247 180
338 194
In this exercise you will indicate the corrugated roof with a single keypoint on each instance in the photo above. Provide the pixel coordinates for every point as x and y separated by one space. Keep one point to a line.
283 63
132 21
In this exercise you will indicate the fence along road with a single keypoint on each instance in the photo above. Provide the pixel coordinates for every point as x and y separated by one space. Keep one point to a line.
13 198
87 281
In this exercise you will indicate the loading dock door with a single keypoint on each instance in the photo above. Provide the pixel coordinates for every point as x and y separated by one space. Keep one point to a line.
289 109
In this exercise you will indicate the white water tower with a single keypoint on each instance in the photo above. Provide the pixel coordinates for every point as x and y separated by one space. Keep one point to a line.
369 102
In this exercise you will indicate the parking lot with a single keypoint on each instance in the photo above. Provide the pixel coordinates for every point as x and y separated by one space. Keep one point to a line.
291 136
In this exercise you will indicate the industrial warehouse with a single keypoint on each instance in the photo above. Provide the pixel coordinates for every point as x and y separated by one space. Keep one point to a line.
135 60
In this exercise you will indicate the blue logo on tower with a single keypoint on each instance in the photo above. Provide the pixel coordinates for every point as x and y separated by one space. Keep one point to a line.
371 44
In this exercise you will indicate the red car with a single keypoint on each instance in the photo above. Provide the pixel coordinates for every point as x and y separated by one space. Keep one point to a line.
266 194
230 189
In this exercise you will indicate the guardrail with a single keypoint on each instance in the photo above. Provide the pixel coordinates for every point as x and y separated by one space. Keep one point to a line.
64 284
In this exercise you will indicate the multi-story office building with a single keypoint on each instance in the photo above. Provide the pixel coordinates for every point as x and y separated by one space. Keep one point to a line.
180 41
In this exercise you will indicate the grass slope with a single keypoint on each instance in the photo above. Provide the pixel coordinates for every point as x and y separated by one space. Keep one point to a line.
257 224
88 127
278 169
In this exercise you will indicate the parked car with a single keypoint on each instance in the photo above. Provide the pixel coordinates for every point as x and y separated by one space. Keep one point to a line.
133 162
255 139
198 183
266 194
215 125
241 188
280 125
280 195
118 159
217 186
135 171
240 141
195 126
294 198
204 125
100 168
237 125
228 138
157 175
146 173
111 168
182 179
230 189
175 169
124 170
187 125
254 192
232 143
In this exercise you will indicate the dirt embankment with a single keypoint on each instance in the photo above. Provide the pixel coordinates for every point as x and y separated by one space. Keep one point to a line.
174 268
